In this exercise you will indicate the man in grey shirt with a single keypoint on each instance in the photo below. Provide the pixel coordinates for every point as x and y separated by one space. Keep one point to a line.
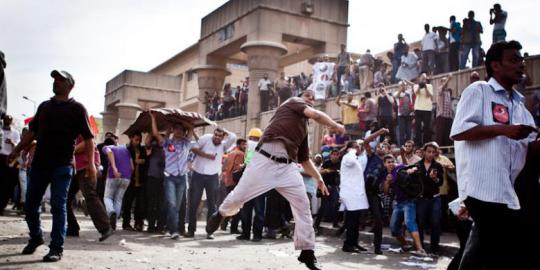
342 63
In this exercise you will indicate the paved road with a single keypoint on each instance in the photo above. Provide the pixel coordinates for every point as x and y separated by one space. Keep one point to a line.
134 250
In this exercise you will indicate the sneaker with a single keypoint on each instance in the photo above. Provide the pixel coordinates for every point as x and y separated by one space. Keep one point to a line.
242 237
210 236
213 223
112 220
175 236
32 245
420 253
360 247
53 256
256 238
307 257
378 251
127 227
189 235
350 249
106 234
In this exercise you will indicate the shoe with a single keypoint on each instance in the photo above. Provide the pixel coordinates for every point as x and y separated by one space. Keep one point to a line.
256 238
360 247
127 228
112 220
210 236
242 237
340 231
175 236
189 235
32 245
53 256
106 234
420 253
139 227
307 257
350 249
150 230
213 223
72 233
269 236
378 251
235 231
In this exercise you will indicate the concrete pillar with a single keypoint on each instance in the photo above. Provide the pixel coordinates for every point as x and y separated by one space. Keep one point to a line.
263 57
210 79
127 113
110 119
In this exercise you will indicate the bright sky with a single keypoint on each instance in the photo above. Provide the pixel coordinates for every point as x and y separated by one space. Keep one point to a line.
95 40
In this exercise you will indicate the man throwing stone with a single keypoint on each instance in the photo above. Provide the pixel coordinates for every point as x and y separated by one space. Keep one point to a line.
283 143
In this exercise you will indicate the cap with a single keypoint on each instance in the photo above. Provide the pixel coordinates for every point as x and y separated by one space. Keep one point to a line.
64 74
255 132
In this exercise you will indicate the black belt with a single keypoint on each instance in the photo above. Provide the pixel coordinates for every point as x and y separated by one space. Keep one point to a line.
274 158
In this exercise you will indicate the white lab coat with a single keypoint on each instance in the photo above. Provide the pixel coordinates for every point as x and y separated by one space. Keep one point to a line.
352 189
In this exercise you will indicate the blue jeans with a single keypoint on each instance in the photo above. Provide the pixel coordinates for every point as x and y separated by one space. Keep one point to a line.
407 209
199 183
404 129
174 187
428 211
38 180
465 54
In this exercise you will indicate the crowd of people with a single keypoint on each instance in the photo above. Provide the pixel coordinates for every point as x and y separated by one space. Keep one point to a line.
378 167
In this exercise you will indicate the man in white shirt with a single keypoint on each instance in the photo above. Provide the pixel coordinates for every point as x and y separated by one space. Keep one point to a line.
264 91
353 196
206 167
493 133
497 17
9 174
429 45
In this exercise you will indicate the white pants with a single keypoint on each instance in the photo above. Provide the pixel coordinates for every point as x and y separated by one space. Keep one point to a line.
22 184
262 175
114 193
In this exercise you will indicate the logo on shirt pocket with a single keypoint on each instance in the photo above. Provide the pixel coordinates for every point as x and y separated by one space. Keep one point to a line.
500 113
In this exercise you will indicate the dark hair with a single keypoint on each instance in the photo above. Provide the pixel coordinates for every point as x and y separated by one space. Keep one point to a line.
136 133
430 144
409 141
495 53
387 157
220 130
367 94
349 144
497 6
453 18
109 141
240 141
333 151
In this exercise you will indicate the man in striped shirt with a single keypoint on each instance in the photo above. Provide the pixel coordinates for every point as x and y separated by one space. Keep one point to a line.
492 131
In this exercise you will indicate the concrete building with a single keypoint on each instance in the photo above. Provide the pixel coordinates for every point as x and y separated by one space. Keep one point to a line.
262 36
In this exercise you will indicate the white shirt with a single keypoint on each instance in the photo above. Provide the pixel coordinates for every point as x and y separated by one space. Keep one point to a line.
429 42
9 134
487 169
207 166
352 191
263 84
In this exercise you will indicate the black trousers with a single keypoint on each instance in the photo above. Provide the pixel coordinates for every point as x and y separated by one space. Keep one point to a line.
9 177
278 210
352 226
265 99
388 122
494 228
138 195
375 206
422 127
463 229
256 204
329 207
200 182
442 133
453 56
154 201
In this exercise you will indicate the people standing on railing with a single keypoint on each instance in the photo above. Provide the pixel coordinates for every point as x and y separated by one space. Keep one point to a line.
399 50
497 17
429 47
455 43
471 40
445 113
408 70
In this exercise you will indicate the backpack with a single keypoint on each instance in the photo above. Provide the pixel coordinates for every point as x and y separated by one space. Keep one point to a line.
410 184
405 105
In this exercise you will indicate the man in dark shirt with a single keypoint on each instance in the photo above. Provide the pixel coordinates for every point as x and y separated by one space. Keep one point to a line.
330 175
428 206
137 186
283 143
55 126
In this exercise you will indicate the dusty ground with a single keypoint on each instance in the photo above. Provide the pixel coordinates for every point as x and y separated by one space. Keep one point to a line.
134 250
